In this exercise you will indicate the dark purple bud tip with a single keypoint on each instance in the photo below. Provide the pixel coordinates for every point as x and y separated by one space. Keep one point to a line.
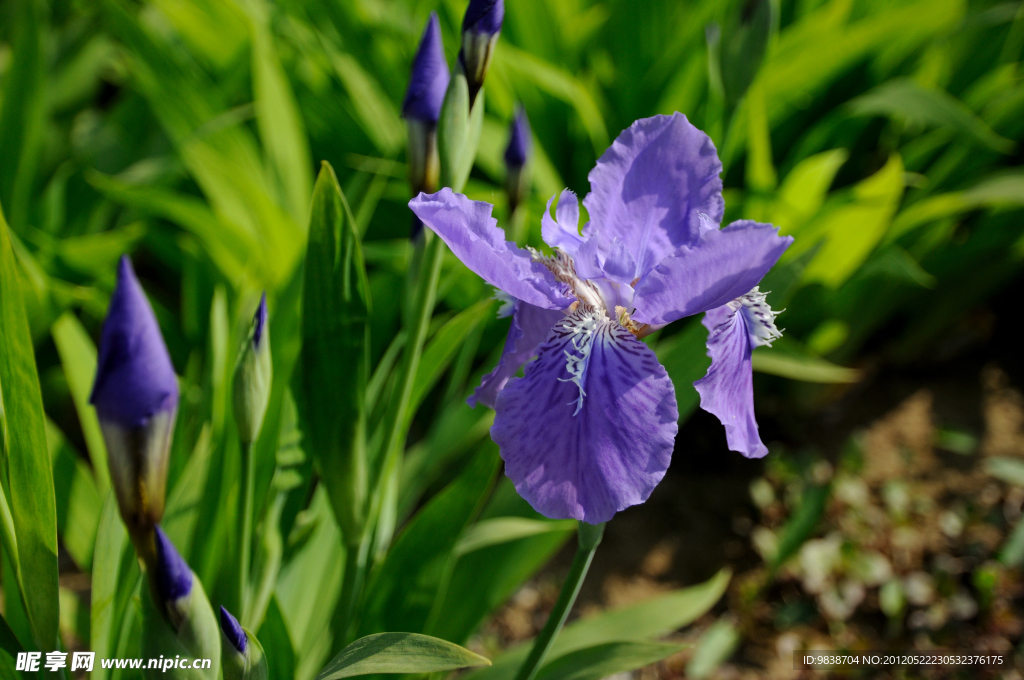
520 142
134 374
173 576
233 631
259 321
484 16
429 80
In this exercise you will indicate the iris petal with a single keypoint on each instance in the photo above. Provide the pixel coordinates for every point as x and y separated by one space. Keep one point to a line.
727 391
721 267
530 327
650 188
562 231
474 237
615 449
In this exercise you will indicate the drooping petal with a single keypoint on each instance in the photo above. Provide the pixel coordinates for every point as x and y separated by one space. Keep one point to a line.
134 375
530 327
473 235
589 429
723 265
651 186
727 391
562 231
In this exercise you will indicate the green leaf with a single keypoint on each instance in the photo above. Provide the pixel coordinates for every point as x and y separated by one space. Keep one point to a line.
744 45
714 648
442 348
335 353
278 118
9 649
852 231
609 658
1010 470
1005 191
904 99
78 501
803 191
29 476
488 532
399 653
277 644
801 525
684 356
654 618
806 368
406 587
78 359
108 582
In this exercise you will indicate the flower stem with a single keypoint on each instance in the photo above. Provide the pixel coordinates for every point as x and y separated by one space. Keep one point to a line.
589 538
245 550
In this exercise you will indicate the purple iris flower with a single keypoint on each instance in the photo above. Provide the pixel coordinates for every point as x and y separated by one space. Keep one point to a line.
233 631
589 429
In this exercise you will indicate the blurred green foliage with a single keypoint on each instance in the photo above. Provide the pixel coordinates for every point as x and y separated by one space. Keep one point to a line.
885 136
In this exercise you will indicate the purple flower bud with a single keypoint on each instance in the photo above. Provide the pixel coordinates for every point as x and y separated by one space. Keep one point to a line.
520 142
429 80
233 631
136 399
134 377
173 575
484 16
480 28
259 322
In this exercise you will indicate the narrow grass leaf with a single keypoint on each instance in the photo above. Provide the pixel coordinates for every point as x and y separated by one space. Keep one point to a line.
606 659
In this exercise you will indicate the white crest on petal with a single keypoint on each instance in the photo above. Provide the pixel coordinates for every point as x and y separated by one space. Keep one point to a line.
583 325
759 317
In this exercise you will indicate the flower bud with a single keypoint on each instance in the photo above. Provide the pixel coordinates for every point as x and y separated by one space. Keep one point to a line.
177 620
517 160
253 374
481 26
421 109
136 399
241 653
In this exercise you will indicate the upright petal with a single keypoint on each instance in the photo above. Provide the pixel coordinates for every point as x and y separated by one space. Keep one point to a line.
473 235
530 327
651 186
589 430
723 265
727 391
134 375
562 231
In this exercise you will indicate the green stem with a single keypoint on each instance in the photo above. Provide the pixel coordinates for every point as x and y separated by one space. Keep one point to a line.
589 538
245 508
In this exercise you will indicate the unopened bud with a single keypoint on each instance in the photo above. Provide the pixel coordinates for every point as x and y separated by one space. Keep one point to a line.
242 655
136 400
517 160
481 26
253 376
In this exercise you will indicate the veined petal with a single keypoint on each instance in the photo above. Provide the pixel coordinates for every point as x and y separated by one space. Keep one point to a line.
611 260
562 231
727 391
473 235
589 430
722 266
651 186
530 327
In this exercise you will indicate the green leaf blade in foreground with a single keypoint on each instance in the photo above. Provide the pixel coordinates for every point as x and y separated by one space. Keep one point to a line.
335 352
30 478
399 653
654 618
601 661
